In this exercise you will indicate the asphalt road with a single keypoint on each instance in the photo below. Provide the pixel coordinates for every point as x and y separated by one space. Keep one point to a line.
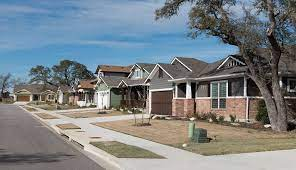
26 144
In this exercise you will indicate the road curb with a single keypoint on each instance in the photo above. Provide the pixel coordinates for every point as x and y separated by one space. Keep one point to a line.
110 159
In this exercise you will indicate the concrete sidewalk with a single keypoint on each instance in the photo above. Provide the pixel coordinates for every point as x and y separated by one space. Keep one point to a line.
176 158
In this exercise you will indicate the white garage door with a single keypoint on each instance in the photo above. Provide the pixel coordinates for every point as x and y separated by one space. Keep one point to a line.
103 99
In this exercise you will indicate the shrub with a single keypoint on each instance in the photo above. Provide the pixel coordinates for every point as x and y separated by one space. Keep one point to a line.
262 114
221 119
213 116
232 118
202 116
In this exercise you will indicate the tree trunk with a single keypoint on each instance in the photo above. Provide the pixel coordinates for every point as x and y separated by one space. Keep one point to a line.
275 105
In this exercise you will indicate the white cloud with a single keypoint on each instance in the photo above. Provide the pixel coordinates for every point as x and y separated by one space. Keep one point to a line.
50 22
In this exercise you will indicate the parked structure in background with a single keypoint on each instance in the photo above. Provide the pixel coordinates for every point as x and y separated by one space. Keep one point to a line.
35 92
67 95
86 93
107 93
134 89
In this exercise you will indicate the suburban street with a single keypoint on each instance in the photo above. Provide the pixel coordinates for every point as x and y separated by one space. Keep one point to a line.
27 144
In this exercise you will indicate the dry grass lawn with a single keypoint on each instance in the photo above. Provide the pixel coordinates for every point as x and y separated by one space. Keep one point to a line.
94 114
121 150
30 109
68 126
228 139
46 116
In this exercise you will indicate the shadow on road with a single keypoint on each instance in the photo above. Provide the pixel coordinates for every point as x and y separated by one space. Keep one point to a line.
16 158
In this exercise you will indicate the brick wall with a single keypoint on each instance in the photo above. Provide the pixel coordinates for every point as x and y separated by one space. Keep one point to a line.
178 107
234 106
253 107
183 107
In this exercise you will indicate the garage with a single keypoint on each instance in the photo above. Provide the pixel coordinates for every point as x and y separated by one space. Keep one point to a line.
161 103
23 98
103 100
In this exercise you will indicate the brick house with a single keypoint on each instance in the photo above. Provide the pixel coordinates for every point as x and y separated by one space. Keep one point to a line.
224 88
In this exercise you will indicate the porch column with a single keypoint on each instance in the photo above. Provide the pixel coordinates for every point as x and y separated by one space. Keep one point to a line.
281 81
245 86
188 90
176 90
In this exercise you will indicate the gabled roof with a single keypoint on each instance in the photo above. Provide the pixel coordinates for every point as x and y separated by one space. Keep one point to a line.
129 82
112 81
113 68
148 67
174 71
192 64
35 88
66 89
86 84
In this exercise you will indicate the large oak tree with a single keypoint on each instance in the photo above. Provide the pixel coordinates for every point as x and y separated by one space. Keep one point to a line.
249 25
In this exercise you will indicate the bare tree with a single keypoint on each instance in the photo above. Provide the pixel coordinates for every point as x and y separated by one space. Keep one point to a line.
5 83
249 25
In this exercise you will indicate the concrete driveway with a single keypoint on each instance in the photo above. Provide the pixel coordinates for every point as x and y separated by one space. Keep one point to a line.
27 144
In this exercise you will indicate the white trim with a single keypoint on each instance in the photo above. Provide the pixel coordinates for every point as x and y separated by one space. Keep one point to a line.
176 58
288 85
200 98
247 109
245 86
122 82
153 72
210 77
188 90
138 67
164 89
228 59
218 97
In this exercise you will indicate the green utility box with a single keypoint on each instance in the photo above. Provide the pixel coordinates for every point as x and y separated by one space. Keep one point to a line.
191 129
200 136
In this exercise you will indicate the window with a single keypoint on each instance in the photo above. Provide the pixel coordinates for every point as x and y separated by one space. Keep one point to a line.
291 85
219 94
138 73
160 73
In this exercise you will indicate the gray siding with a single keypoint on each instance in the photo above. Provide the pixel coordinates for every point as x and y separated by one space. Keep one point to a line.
160 83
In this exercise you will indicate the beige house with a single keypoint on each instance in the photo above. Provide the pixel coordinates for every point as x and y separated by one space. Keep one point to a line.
35 92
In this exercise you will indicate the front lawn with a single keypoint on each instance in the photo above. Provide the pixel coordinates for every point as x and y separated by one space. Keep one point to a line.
227 139
121 150
94 114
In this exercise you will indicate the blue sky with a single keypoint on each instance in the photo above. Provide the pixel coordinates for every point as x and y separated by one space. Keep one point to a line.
95 32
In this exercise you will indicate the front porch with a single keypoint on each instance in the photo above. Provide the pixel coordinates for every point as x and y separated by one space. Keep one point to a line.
85 98
134 97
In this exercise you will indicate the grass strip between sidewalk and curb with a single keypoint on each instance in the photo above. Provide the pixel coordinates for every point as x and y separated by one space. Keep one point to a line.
46 116
121 150
67 126
30 109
